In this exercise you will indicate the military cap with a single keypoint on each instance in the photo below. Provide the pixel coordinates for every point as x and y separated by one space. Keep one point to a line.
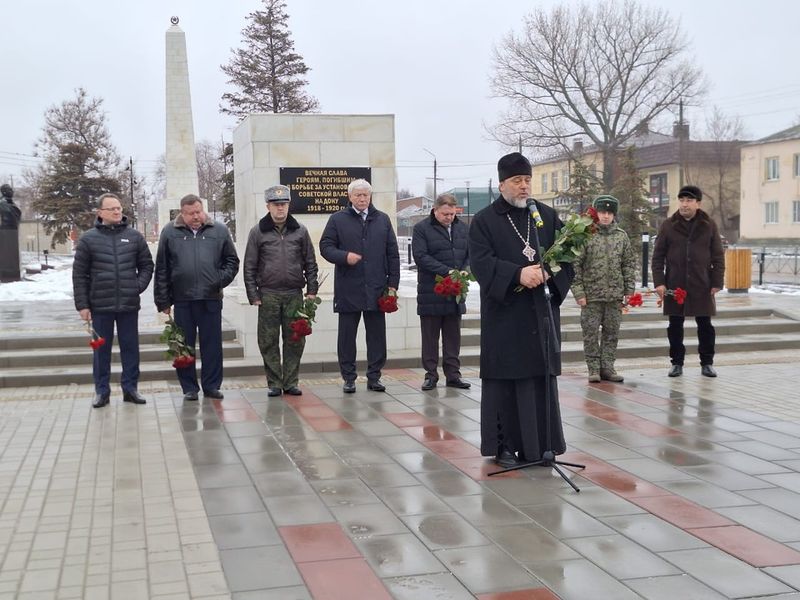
277 193
606 204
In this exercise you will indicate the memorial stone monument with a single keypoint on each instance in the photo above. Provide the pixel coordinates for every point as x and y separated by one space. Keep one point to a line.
9 235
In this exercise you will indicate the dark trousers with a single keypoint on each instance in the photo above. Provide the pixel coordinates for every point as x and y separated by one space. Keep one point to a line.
375 324
514 415
203 317
450 327
128 334
706 337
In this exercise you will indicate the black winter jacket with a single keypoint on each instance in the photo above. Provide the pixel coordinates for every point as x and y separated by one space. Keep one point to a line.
357 288
436 254
112 267
279 262
193 266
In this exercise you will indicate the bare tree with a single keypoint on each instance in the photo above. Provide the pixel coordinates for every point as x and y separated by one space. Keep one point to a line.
595 70
269 74
209 174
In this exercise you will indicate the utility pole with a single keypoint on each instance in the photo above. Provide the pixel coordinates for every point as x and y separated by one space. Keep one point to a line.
491 193
435 178
133 202
467 182
680 143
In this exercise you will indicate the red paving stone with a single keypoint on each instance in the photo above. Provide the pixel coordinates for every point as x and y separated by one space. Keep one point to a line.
624 484
609 414
681 512
749 546
312 411
328 423
408 419
324 541
238 415
345 579
401 374
429 433
531 594
304 400
450 449
479 468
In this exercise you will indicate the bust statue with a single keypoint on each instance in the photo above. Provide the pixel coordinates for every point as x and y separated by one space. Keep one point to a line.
9 212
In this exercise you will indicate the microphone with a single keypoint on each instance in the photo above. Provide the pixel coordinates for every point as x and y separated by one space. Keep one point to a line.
537 218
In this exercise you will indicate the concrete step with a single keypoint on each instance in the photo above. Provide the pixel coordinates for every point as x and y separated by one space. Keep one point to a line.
71 340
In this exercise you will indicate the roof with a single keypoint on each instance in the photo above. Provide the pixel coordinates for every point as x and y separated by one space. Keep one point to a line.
792 133
651 138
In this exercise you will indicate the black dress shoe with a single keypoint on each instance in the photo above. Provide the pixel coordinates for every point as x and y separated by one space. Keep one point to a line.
349 387
190 397
293 391
273 391
428 384
133 397
708 371
506 459
459 383
100 400
675 371
216 394
376 386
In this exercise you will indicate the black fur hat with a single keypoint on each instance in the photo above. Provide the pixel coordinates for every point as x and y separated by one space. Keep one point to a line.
511 165
691 191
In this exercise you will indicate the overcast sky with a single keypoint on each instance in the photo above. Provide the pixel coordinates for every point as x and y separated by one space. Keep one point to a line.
428 62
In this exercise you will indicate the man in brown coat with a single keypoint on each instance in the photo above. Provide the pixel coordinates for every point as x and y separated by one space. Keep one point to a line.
688 255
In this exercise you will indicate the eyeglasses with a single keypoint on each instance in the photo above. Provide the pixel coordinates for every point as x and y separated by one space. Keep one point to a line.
113 209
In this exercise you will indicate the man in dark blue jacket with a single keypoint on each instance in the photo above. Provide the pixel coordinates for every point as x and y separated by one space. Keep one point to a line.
112 267
196 259
362 244
440 245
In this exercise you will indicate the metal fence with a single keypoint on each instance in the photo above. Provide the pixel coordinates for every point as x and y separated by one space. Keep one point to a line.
776 265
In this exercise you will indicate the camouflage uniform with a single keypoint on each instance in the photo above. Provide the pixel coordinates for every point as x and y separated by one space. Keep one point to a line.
274 315
605 273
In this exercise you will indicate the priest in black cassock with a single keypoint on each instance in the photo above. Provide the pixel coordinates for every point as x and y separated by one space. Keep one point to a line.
504 258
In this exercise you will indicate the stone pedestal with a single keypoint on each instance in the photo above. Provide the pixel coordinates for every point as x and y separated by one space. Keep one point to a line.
9 255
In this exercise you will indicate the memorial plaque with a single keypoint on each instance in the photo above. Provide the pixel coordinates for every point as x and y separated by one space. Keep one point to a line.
320 190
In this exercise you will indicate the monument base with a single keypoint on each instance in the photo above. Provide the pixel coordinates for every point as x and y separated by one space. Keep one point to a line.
9 255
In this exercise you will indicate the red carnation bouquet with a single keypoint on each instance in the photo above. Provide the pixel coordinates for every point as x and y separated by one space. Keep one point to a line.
177 349
303 318
455 284
95 340
634 300
679 294
388 301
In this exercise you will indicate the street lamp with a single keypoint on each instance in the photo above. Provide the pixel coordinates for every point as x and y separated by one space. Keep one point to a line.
434 172
133 202
467 182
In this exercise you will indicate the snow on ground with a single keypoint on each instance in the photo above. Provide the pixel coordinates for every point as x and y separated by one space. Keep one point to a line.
52 284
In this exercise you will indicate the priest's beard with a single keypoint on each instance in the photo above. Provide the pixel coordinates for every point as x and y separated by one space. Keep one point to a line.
517 203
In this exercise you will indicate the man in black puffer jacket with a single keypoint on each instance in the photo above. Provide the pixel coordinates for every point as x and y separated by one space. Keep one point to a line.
440 245
196 259
112 267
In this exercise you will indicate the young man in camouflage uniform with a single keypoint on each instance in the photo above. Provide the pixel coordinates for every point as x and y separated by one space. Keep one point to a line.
605 277
278 263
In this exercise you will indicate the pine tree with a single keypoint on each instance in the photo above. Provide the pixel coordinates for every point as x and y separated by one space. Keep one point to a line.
584 185
635 211
80 163
268 73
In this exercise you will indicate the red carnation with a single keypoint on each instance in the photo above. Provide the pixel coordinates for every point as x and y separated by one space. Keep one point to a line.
635 300
182 361
680 295
97 342
592 213
388 302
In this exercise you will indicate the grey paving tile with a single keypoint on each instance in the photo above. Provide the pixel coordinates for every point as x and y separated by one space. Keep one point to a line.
271 462
281 484
528 543
377 428
337 439
650 470
620 557
789 481
208 438
597 502
385 475
724 573
308 450
411 500
368 520
602 449
580 580
245 429
778 498
398 443
486 509
526 491
746 463
774 438
441 586
245 530
363 456
217 476
297 510
446 484
672 587
766 520
245 568
486 569
206 424
293 433
231 500
324 468
344 492
705 493
213 455
256 444
762 450
727 478
654 533
564 520
397 555
444 530
691 442
284 593
674 456
630 439
420 462
790 575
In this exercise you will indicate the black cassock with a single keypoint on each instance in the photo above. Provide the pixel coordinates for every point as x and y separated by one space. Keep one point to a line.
513 369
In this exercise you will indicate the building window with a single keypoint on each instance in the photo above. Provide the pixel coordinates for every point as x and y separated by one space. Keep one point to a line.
658 190
796 169
565 179
770 213
796 210
554 181
772 169
544 183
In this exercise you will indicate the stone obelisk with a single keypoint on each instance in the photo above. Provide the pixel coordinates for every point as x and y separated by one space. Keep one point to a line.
180 153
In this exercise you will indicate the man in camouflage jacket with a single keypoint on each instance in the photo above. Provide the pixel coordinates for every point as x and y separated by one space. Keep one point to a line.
605 277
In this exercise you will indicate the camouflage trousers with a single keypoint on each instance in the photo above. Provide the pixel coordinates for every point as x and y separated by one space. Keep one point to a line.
600 324
274 316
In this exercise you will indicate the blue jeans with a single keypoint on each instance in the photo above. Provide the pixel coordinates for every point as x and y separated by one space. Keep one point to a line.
128 333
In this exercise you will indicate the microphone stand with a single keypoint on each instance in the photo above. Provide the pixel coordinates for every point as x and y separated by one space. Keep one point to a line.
548 458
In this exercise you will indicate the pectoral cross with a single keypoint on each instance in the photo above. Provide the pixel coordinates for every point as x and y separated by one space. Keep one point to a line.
529 252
